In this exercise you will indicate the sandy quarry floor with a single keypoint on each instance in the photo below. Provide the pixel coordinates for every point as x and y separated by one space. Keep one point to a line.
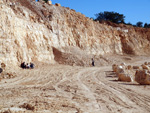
73 89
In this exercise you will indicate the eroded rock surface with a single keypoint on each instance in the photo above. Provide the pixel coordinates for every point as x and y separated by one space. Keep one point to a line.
29 30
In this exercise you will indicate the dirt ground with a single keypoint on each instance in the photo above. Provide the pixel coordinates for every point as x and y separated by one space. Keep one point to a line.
74 89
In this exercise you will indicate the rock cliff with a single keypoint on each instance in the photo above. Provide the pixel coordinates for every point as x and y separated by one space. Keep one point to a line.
36 31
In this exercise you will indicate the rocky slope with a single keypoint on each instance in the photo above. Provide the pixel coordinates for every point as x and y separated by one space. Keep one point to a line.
31 31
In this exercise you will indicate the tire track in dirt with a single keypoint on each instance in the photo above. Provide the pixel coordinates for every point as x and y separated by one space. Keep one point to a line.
27 78
93 106
82 88
129 97
74 77
139 100
109 93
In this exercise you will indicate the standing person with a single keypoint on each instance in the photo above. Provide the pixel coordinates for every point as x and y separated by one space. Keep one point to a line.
93 62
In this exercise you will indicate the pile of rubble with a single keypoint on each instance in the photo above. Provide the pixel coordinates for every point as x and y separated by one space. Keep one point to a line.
128 73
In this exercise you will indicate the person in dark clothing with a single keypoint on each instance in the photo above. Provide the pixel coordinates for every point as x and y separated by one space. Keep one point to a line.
93 62
23 65
31 65
1 70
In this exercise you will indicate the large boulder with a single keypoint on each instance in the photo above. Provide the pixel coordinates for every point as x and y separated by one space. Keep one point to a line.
120 69
114 67
124 73
142 77
123 64
145 67
145 63
136 67
124 77
129 67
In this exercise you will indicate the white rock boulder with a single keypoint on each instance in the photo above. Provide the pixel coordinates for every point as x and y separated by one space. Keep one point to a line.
124 77
142 77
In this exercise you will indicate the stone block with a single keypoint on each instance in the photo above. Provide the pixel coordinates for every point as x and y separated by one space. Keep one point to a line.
142 77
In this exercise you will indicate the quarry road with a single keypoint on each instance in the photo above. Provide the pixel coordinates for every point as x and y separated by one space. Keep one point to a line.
72 89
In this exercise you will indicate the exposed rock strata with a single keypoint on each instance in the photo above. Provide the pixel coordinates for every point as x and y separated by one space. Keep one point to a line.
29 31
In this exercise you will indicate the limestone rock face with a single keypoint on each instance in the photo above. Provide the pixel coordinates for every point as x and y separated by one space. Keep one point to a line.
22 39
29 30
142 77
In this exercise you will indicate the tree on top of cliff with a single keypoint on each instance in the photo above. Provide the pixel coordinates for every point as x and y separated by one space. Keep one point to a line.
139 24
146 25
110 16
46 0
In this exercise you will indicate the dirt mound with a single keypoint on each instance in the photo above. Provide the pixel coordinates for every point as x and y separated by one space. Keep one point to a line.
68 58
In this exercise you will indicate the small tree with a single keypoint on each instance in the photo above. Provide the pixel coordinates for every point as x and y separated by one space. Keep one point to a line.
146 25
46 1
128 23
110 16
139 24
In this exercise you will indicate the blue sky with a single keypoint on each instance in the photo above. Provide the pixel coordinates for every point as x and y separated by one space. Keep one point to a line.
133 10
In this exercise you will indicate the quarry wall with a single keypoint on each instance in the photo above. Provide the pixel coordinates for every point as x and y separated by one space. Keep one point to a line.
29 31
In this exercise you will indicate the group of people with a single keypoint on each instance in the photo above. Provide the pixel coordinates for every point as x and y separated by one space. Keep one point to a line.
27 66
